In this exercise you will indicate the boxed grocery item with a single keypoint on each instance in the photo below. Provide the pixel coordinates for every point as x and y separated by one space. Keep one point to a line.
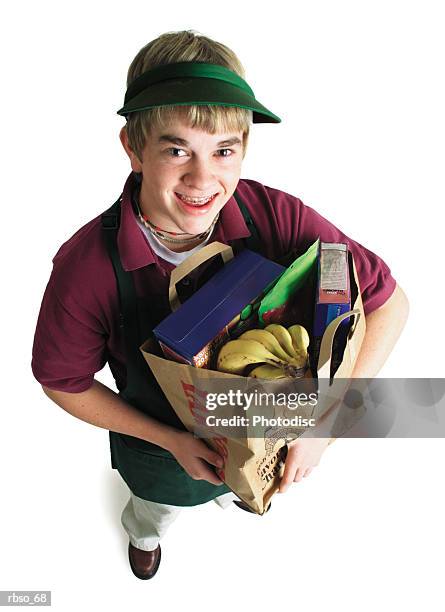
194 333
333 296
332 299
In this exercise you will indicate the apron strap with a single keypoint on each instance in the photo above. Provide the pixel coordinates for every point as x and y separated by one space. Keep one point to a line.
253 241
128 312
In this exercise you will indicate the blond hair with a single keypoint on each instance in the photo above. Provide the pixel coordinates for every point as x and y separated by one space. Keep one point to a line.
185 46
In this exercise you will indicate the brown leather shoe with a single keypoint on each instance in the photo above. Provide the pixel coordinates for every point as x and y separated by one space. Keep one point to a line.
144 563
246 508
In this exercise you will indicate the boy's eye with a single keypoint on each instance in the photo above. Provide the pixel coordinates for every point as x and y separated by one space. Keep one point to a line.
225 152
174 152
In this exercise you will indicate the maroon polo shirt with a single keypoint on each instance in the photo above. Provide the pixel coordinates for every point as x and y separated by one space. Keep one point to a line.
78 330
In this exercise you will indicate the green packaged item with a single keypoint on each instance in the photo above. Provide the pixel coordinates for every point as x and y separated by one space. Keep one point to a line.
278 300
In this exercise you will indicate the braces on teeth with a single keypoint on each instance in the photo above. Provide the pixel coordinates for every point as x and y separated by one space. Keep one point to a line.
195 200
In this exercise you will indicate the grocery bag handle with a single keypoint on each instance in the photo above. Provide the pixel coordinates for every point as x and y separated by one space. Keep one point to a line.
192 262
324 359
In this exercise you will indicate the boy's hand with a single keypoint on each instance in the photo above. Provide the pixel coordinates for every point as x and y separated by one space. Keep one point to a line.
194 456
302 456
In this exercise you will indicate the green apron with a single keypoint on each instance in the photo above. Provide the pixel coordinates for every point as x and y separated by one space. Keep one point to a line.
150 471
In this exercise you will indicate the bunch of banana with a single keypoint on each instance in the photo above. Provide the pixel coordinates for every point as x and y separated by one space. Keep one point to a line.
278 351
294 340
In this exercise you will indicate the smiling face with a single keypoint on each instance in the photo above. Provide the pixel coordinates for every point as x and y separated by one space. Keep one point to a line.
187 175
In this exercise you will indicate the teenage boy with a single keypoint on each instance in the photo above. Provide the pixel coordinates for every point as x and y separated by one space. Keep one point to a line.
188 111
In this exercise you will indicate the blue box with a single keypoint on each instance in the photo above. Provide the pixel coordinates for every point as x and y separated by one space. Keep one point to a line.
193 333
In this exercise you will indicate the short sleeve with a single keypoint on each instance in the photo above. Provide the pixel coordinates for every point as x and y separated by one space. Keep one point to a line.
69 343
301 225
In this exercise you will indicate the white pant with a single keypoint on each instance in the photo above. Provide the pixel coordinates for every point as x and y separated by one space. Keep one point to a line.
146 522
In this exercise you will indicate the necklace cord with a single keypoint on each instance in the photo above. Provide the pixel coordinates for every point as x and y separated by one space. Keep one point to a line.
171 236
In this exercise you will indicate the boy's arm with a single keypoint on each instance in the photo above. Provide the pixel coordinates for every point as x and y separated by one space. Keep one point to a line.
383 328
102 407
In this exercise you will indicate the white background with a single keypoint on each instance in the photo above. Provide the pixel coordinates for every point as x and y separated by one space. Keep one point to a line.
359 86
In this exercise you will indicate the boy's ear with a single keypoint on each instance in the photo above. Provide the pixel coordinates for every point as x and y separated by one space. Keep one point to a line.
136 164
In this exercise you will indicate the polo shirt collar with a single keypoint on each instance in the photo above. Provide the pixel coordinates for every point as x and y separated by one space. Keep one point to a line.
134 250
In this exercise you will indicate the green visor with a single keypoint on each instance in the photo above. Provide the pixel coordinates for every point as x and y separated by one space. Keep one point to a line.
193 83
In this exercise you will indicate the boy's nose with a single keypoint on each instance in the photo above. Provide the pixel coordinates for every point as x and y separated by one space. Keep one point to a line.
200 177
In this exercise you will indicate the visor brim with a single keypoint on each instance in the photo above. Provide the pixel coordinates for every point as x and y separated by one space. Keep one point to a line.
197 91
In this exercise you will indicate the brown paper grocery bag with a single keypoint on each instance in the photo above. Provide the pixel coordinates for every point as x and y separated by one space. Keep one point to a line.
253 464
